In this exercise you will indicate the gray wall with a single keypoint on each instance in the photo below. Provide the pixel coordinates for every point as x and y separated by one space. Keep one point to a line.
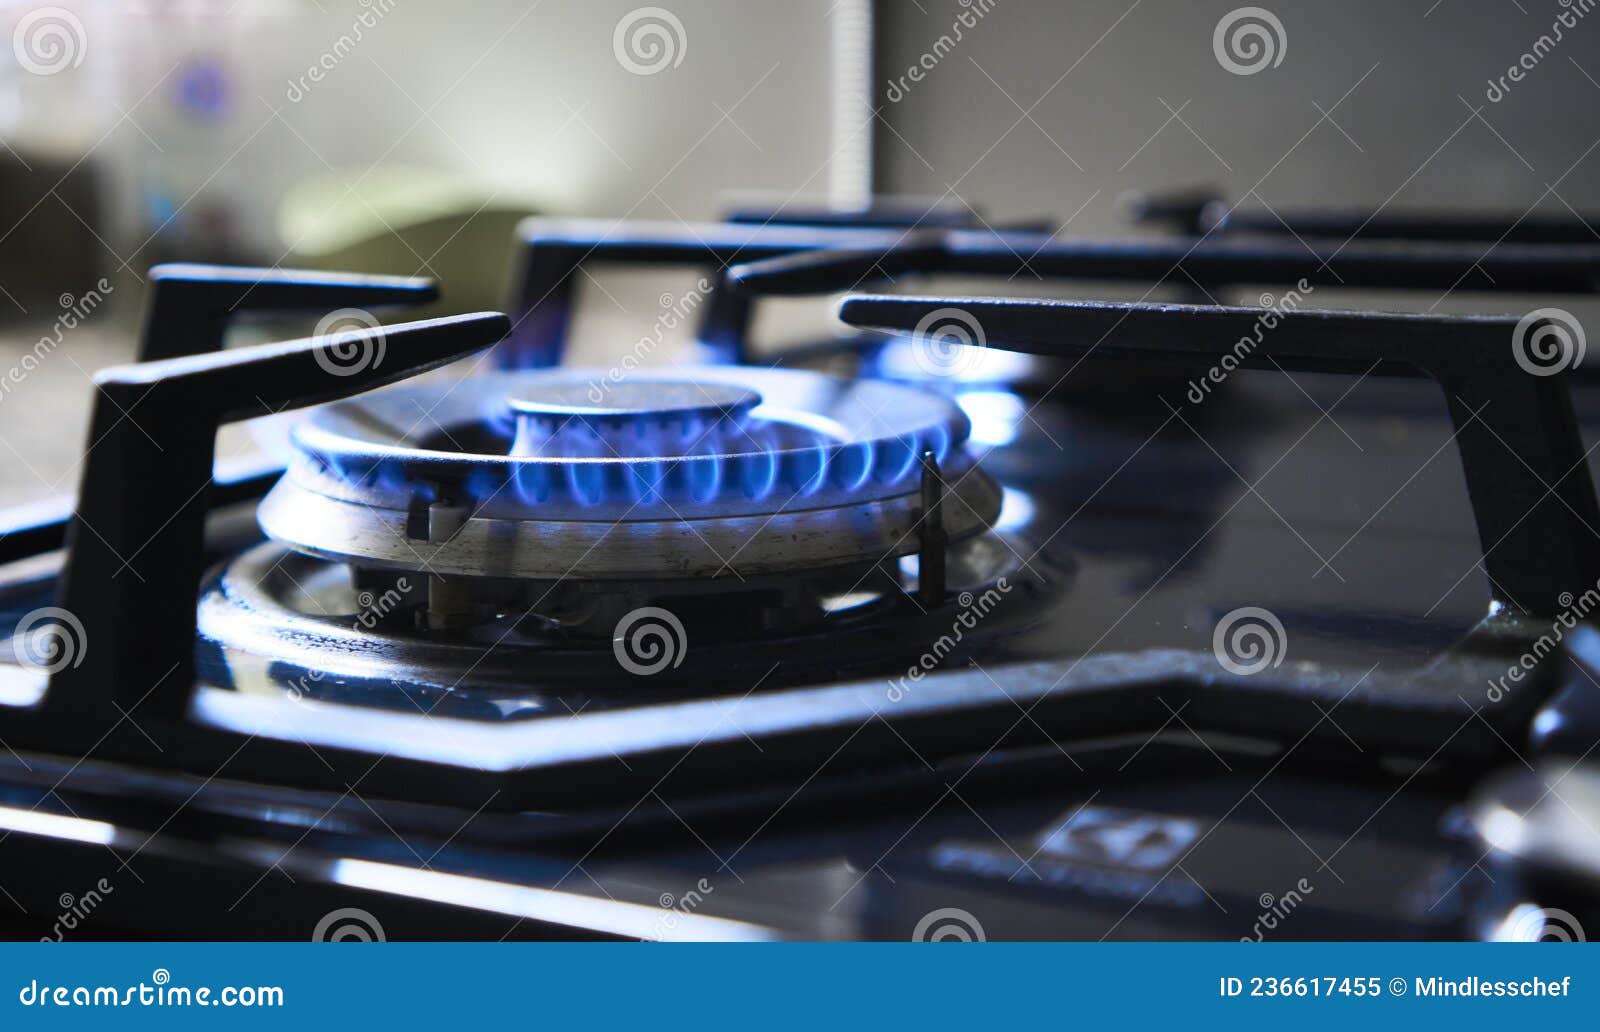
1413 141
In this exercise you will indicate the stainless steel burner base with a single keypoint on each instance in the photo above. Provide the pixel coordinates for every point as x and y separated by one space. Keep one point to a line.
543 549
272 614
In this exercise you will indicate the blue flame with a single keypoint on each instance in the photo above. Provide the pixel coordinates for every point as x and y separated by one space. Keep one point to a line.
758 474
854 465
482 483
645 481
899 459
532 482
705 478
587 481
653 462
811 470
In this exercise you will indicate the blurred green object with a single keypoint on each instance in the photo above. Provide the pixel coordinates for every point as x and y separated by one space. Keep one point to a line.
56 218
410 222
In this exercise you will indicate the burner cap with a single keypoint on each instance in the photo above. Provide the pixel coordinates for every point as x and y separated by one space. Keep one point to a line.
556 473
556 400
559 417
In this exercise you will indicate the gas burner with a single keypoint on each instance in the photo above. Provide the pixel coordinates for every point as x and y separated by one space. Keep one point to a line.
559 475
533 512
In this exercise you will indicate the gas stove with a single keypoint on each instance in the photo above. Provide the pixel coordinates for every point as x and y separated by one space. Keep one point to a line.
986 617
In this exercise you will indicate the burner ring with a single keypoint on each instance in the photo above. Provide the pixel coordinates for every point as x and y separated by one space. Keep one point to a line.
683 473
813 441
556 549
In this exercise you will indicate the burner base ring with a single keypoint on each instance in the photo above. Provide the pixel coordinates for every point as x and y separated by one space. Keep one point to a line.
869 531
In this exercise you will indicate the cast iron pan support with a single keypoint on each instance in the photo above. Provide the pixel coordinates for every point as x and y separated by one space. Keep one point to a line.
1206 211
189 306
725 320
135 547
1507 268
821 259
553 251
1520 449
187 311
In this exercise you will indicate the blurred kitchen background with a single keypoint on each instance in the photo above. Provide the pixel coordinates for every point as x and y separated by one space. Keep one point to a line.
409 136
